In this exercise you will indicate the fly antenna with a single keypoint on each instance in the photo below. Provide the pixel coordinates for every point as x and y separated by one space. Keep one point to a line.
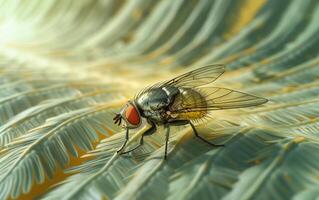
117 119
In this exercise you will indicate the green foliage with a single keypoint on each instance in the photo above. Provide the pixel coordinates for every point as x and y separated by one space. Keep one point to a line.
68 66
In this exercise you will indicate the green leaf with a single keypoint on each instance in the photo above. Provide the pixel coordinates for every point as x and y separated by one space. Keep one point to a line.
66 67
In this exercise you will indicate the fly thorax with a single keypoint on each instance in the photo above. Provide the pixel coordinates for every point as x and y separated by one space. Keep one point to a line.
170 92
154 99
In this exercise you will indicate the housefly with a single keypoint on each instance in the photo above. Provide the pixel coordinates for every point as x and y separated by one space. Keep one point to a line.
180 101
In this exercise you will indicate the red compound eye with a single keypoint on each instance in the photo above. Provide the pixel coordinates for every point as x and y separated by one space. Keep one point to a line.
132 115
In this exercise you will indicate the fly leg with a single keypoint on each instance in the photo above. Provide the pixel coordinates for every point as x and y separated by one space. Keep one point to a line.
184 122
201 138
150 131
126 139
140 144
166 140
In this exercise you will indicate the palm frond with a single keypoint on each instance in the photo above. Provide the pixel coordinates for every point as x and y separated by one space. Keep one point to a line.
37 115
44 148
280 166
96 174
67 66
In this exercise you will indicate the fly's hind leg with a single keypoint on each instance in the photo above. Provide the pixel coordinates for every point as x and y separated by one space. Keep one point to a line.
201 138
150 131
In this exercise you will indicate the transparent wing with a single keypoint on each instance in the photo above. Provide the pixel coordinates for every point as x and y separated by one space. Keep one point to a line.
216 98
197 77
192 79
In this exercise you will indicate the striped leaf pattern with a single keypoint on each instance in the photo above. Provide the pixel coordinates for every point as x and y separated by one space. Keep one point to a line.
67 66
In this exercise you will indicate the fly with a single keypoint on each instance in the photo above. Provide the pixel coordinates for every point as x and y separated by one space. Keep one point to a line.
181 101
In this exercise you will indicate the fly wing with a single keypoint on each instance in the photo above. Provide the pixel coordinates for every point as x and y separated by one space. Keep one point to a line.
216 98
197 77
223 98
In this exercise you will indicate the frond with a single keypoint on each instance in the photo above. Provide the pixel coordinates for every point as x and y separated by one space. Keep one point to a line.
104 175
16 103
202 176
280 167
47 147
37 115
67 66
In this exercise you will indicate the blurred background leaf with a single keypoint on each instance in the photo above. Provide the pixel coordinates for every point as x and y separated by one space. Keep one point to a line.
67 66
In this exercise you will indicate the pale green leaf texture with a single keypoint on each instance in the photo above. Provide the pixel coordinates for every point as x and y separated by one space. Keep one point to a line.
66 67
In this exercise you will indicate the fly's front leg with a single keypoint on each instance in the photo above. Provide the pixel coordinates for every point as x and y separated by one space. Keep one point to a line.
126 139
140 144
150 131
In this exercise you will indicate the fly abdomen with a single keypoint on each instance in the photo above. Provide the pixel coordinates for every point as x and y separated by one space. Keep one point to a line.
185 104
